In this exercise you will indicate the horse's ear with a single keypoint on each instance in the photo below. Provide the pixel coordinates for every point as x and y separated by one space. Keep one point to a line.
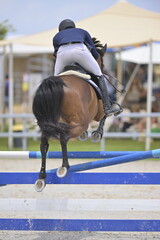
104 49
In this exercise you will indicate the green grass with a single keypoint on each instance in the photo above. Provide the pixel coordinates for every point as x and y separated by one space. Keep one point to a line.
76 145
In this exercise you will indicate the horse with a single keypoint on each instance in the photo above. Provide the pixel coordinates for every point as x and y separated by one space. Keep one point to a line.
64 106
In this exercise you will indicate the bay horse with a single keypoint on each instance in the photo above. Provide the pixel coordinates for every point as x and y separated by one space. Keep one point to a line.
64 106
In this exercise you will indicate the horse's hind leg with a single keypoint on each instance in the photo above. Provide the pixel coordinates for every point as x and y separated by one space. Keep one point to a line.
40 183
96 136
62 171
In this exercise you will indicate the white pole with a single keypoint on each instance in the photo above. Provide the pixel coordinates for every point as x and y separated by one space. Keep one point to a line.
70 204
10 139
102 144
149 97
14 154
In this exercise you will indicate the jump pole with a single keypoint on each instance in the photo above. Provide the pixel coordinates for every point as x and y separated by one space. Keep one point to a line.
112 161
71 154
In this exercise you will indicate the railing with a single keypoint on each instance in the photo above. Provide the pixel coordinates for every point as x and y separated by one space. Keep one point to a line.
25 133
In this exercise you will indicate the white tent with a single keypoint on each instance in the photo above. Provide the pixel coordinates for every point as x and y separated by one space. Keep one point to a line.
140 55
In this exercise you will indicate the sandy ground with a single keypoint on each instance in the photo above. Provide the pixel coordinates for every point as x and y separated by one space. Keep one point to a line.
78 192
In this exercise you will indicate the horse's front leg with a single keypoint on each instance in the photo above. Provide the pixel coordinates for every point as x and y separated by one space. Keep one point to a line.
62 171
40 183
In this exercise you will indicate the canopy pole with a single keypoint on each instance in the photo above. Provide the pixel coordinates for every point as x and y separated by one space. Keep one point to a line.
11 90
149 96
129 83
2 86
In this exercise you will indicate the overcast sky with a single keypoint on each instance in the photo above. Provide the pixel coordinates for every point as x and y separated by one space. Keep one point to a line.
33 16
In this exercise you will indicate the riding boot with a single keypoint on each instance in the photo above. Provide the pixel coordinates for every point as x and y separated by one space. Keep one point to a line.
109 109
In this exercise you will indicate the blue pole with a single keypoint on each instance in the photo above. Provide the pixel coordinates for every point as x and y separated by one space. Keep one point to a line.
113 161
120 225
85 154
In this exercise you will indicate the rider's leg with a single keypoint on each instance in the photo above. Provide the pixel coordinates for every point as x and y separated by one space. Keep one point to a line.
90 64
109 109
60 62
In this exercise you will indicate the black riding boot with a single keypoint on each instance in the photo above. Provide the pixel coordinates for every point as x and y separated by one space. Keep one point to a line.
109 109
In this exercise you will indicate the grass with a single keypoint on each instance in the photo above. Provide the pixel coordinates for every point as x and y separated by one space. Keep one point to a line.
76 145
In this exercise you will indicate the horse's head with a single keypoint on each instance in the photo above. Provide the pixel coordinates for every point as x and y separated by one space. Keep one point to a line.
101 49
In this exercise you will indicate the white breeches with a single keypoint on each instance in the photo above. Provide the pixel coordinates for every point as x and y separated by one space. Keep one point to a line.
76 53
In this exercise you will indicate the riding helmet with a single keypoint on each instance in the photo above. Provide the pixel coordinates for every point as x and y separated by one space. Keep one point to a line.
66 23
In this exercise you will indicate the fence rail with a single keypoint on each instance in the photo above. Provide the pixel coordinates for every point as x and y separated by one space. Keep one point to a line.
24 134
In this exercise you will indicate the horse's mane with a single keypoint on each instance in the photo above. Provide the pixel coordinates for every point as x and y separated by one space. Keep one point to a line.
99 46
97 43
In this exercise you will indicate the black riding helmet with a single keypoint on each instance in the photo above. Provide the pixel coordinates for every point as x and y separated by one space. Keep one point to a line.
66 23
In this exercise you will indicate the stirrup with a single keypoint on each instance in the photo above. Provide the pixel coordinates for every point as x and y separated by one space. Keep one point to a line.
120 108
111 110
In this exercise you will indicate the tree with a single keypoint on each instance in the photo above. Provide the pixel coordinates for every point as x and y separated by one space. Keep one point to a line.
5 27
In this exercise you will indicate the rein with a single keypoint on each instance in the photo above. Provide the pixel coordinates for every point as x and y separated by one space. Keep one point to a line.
101 50
117 81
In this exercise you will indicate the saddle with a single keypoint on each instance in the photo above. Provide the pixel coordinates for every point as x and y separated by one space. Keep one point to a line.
77 70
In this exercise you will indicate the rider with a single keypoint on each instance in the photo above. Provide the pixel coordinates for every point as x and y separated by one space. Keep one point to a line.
75 45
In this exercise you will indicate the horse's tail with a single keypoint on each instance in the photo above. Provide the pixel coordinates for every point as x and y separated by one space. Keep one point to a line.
47 107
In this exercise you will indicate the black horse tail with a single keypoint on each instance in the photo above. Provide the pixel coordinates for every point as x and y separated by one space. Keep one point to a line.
47 107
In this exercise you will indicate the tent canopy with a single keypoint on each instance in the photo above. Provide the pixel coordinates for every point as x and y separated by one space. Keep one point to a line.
124 24
26 50
121 25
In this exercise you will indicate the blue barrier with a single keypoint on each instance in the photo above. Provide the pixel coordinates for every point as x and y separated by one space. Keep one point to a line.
80 225
81 178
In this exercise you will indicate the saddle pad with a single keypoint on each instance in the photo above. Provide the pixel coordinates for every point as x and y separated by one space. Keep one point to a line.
72 72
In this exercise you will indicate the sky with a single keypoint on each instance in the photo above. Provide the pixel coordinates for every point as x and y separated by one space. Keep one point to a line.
33 16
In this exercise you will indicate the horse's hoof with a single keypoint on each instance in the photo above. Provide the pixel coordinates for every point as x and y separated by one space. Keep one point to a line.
61 172
96 137
84 136
40 185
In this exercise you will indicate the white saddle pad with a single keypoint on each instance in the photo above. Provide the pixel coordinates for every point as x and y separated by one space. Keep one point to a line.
72 72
